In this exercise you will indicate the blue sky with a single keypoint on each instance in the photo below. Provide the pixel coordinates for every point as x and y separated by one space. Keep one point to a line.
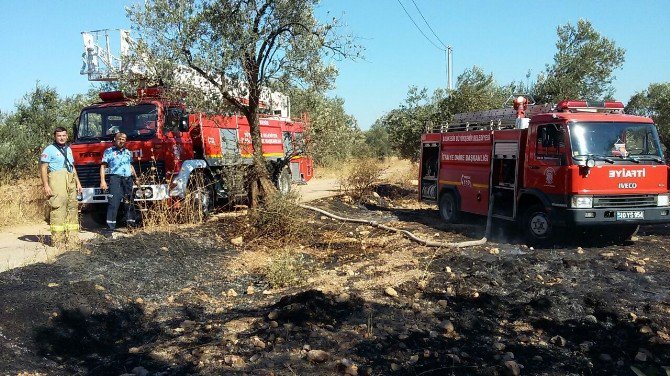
41 42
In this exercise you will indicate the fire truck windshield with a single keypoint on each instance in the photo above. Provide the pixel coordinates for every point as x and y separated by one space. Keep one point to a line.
137 122
632 142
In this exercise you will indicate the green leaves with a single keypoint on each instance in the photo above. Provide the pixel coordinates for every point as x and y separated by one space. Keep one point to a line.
583 66
237 46
29 128
654 102
475 90
334 135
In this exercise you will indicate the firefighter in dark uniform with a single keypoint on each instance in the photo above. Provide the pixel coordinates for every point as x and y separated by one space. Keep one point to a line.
117 163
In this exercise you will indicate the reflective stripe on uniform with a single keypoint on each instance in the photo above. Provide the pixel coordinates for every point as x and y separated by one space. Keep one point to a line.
63 215
57 228
72 226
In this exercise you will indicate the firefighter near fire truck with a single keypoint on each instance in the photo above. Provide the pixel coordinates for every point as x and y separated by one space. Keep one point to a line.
117 160
574 165
61 186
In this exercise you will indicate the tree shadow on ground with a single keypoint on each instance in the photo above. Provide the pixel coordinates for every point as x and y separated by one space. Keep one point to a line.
371 334
102 344
43 239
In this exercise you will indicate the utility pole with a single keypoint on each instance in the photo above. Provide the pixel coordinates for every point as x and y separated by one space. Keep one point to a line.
449 53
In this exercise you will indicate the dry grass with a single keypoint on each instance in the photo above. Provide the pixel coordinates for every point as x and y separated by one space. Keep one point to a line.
403 173
22 202
286 268
279 217
168 215
360 176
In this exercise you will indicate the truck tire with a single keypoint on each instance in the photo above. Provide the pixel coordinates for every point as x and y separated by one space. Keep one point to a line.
448 207
94 214
537 227
283 181
199 195
621 234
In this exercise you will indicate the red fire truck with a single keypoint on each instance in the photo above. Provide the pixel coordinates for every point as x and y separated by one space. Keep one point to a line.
172 147
175 151
572 165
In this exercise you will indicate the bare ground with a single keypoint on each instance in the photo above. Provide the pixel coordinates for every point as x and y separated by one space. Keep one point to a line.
189 302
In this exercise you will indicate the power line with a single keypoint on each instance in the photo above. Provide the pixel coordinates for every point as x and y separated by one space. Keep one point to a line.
427 24
418 28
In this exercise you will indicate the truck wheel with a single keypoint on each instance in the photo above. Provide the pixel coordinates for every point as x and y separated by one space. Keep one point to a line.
94 214
537 227
448 207
620 234
283 181
199 195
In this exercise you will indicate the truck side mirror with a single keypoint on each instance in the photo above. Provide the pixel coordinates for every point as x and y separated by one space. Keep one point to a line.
183 123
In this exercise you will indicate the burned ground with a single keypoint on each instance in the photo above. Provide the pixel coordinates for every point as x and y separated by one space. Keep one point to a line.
189 302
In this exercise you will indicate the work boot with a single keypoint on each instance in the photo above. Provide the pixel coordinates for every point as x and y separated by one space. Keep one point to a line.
107 233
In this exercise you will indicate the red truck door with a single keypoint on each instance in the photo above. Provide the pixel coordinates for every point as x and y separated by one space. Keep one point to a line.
546 160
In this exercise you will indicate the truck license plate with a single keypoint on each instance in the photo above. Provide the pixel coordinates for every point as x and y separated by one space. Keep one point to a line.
629 215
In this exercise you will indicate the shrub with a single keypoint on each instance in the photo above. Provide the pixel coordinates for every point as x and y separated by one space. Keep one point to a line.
360 177
285 269
279 217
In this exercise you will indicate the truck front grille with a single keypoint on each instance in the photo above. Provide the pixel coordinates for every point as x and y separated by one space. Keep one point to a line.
628 201
150 173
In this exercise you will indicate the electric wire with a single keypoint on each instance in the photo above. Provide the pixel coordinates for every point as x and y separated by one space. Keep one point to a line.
427 24
418 28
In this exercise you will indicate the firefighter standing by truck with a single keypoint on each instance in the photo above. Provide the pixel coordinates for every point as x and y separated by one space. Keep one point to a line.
117 160
61 185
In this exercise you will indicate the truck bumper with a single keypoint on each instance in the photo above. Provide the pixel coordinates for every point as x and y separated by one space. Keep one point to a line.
610 216
154 192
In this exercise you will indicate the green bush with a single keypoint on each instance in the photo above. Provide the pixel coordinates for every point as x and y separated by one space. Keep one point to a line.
285 269
27 130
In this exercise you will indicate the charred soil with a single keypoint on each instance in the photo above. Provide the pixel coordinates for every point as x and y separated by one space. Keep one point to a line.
366 302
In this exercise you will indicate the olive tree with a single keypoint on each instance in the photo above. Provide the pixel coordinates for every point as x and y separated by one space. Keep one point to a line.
475 90
655 103
334 135
237 48
29 127
583 65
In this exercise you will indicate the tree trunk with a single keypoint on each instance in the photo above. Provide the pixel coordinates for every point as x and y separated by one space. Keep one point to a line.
260 184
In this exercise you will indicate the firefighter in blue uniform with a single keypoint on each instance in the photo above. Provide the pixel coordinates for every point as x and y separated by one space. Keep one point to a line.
117 164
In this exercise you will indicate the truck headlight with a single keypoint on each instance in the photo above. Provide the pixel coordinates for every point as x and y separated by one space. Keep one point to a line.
582 202
663 200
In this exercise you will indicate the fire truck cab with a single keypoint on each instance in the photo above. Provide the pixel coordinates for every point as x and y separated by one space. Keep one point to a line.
572 165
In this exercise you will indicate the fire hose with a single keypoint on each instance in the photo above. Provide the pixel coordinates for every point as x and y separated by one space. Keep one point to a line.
428 243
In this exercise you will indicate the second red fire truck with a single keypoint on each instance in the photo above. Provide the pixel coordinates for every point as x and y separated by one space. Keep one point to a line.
572 165
176 152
